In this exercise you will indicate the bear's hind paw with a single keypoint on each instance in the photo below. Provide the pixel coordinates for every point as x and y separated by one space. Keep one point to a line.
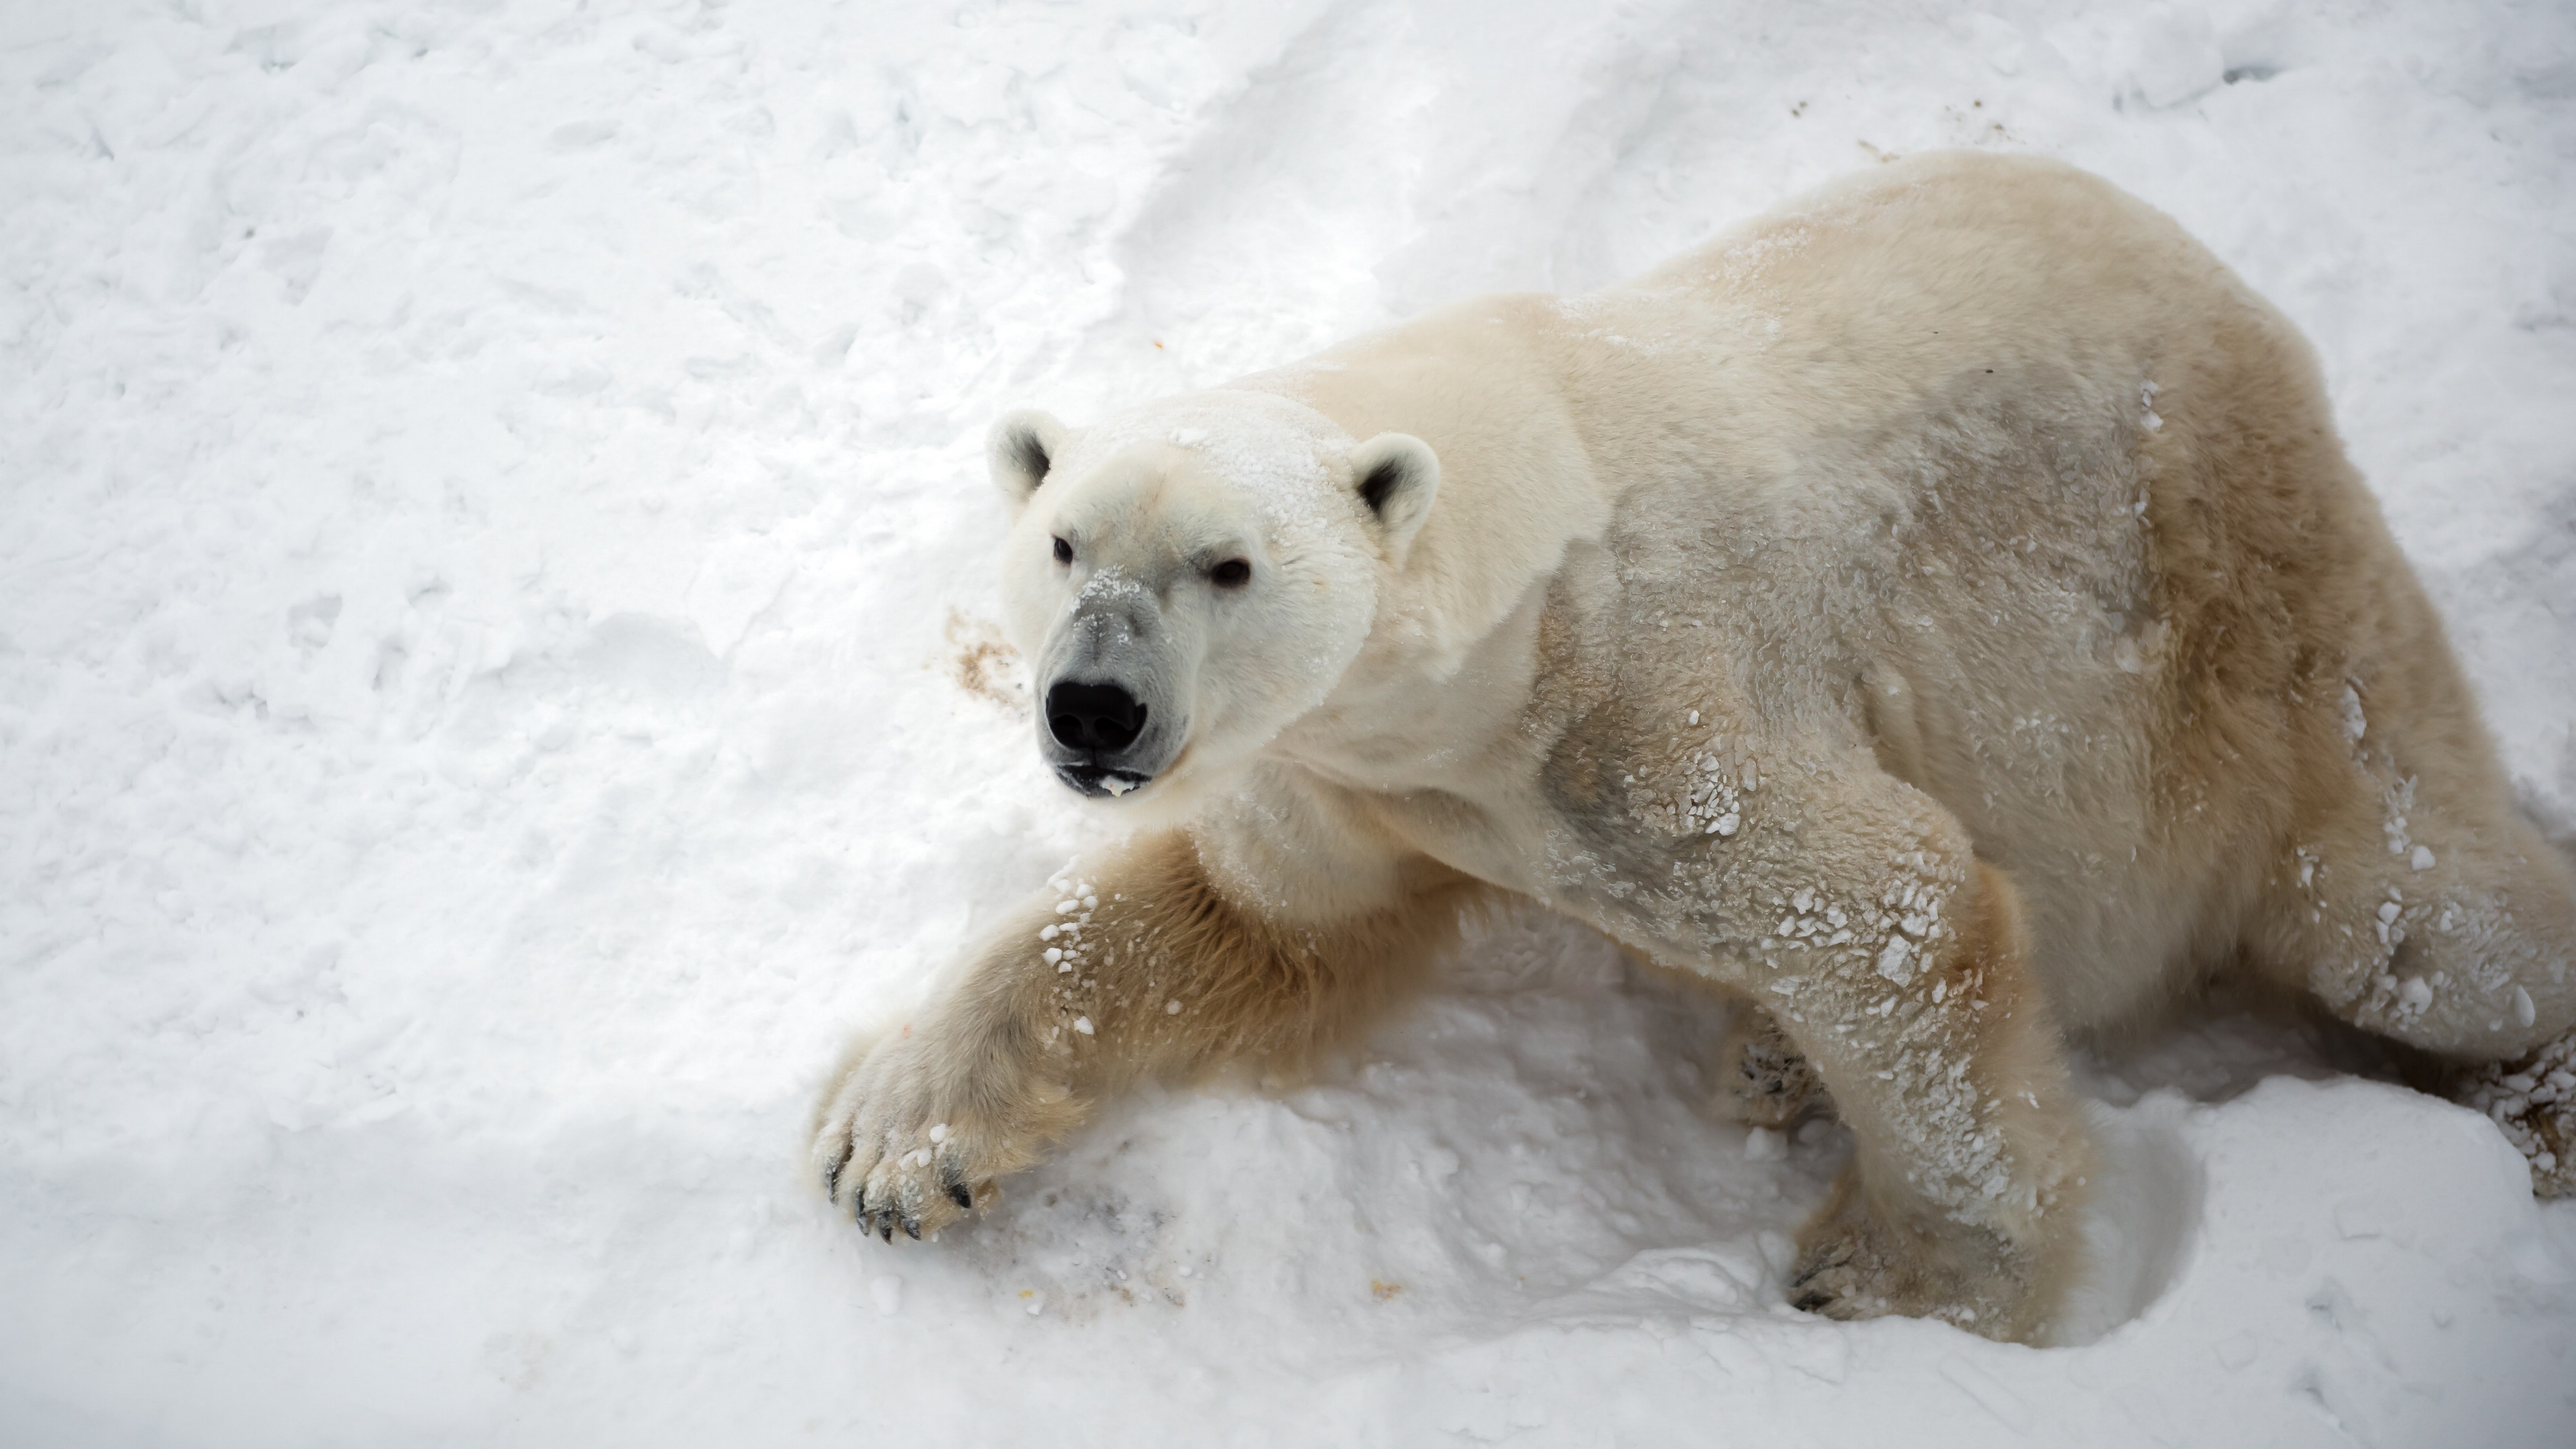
2533 1102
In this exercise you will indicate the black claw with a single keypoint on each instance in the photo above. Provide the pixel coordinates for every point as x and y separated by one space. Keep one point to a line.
859 1200
832 1175
911 1229
885 1226
958 1194
1810 1302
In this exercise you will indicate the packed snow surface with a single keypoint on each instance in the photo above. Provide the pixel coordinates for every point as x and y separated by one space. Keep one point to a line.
497 678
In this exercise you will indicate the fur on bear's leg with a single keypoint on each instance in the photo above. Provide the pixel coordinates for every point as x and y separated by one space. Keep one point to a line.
2414 901
1763 1079
2463 944
1136 966
1964 1199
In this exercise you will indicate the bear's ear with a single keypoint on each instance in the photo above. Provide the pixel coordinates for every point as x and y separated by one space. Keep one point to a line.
1397 476
1023 448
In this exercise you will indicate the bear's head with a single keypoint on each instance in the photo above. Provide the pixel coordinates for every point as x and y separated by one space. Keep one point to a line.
1188 579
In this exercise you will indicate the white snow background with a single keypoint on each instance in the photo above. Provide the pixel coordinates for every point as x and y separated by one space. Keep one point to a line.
493 510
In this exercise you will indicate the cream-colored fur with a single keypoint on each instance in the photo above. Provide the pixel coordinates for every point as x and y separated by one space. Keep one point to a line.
1939 611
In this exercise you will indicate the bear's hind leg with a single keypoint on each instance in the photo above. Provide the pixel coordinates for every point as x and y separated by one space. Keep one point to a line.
2419 905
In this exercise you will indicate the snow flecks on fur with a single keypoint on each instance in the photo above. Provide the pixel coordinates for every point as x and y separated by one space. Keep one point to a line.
2421 964
2533 1102
1109 584
2401 799
1893 935
1716 800
1065 948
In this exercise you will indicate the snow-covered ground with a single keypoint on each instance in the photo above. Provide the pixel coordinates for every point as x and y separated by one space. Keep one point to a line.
493 585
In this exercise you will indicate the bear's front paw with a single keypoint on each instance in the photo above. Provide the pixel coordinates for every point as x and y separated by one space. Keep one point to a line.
1852 1265
912 1134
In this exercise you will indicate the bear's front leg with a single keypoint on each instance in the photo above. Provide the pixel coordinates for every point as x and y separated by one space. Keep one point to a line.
1963 1198
1139 964
920 1120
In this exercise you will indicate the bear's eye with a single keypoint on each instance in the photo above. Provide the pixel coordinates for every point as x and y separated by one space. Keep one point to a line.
1063 551
1234 573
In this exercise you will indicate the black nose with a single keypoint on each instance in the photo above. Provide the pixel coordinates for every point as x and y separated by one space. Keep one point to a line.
1093 716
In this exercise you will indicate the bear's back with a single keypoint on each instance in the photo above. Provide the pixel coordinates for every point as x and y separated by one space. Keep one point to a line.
1972 461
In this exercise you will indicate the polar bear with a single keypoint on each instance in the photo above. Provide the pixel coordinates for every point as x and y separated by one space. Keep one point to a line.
1938 611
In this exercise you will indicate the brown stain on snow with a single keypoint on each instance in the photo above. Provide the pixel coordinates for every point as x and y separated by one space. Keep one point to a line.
982 665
